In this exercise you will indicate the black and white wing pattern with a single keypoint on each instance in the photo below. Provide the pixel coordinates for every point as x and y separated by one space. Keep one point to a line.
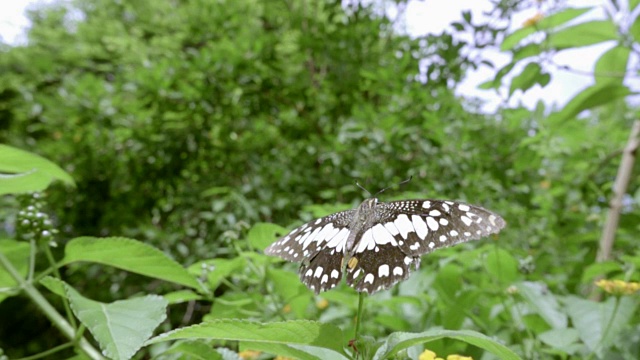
404 230
379 244
319 246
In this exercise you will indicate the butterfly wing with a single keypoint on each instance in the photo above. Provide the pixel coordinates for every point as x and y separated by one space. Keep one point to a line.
319 246
403 230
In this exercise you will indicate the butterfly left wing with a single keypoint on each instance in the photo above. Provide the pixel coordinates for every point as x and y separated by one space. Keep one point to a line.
319 246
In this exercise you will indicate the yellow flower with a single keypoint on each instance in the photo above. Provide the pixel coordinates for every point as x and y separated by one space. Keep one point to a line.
249 354
618 287
429 355
322 304
286 309
533 20
459 357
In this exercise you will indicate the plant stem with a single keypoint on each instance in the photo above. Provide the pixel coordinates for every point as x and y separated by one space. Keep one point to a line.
359 315
53 315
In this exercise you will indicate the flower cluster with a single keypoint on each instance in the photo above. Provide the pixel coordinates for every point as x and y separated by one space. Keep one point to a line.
618 287
430 355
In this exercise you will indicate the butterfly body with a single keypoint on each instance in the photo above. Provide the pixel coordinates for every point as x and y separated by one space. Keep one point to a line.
379 243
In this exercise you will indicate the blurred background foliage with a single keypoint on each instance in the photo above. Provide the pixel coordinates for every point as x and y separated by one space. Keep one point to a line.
184 123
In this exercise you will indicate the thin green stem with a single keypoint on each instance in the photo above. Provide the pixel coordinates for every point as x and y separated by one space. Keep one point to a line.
359 315
56 319
65 301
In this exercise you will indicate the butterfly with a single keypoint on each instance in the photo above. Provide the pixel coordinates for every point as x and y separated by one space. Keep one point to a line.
378 244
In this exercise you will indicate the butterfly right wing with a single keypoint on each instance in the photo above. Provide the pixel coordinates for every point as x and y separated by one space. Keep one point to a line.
319 246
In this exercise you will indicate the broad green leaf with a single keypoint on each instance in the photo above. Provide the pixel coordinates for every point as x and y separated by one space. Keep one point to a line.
583 34
294 351
180 296
599 323
195 350
262 235
130 255
590 98
544 302
17 253
300 332
560 338
121 327
611 67
401 340
22 171
293 292
54 285
218 269
633 4
501 265
526 51
546 23
526 79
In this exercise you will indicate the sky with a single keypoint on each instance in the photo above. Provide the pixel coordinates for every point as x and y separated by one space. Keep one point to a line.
422 17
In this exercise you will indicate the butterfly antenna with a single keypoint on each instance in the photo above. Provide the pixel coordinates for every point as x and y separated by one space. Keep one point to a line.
361 187
399 184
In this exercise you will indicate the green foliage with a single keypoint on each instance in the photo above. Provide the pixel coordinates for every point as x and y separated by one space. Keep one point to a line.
195 127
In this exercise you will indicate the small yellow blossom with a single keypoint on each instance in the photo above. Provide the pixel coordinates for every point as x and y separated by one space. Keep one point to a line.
618 287
249 354
533 20
459 357
280 357
322 304
286 309
429 355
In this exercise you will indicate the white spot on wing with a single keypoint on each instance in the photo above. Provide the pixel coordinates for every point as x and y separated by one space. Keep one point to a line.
465 220
369 278
325 279
366 241
383 270
433 224
339 240
453 233
382 236
464 207
309 272
426 204
318 272
398 271
392 228
443 222
419 226
434 213
443 238
404 225
334 274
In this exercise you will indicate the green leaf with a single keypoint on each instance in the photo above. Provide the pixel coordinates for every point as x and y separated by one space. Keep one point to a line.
550 22
526 79
611 67
17 253
544 303
130 255
560 338
400 340
121 327
633 4
589 98
181 296
293 292
262 235
275 337
599 323
194 350
501 265
583 34
634 30
26 172
218 269
54 285
600 269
